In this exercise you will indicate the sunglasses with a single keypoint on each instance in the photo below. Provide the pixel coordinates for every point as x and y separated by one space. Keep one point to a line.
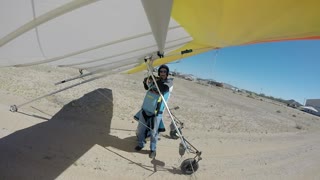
163 71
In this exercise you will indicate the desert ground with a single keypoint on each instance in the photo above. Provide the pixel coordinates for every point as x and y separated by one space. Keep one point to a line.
88 132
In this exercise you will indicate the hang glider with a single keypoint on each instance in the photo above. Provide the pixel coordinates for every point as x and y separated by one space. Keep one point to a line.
105 35
118 35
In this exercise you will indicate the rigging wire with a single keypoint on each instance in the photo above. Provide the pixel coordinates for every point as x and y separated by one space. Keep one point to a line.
184 144
95 70
214 60
14 108
112 102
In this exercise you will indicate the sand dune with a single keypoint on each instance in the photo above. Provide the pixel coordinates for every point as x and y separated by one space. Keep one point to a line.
88 132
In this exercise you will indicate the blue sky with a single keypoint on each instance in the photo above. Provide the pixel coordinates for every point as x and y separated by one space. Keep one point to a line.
287 70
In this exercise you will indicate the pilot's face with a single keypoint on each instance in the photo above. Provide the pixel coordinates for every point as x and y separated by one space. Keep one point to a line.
163 73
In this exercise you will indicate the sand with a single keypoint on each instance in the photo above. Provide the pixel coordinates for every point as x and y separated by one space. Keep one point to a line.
88 132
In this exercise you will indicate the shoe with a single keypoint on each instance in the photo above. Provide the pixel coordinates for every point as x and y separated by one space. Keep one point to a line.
174 134
152 154
138 148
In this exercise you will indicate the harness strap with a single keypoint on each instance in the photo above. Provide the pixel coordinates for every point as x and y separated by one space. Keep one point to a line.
148 119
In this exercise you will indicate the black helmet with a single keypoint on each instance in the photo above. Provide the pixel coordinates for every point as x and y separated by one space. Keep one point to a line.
165 67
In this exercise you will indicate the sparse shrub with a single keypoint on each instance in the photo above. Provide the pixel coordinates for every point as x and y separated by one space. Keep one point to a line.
250 96
298 126
294 115
278 111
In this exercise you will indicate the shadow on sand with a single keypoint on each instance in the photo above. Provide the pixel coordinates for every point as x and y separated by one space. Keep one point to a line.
47 149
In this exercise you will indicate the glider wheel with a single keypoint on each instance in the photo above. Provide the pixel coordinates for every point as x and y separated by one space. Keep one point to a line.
13 108
189 166
174 134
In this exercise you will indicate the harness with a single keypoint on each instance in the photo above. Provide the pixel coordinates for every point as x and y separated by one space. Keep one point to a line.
152 103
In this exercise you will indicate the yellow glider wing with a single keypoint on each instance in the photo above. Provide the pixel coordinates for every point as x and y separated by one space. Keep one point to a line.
223 23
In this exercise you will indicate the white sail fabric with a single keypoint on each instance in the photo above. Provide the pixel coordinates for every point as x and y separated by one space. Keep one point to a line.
158 13
82 34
